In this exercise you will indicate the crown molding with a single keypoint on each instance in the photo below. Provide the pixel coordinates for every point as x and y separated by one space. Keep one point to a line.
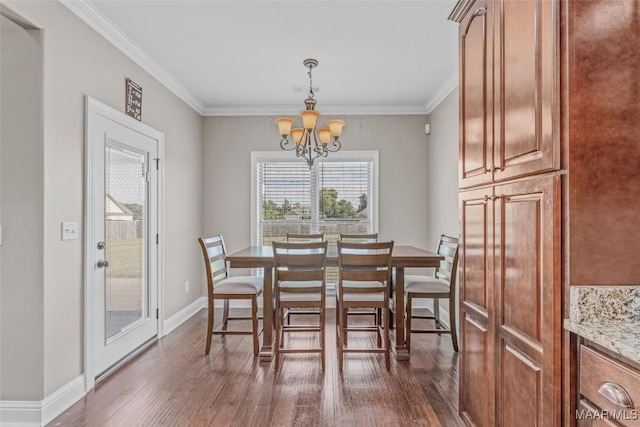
460 10
442 92
92 17
288 110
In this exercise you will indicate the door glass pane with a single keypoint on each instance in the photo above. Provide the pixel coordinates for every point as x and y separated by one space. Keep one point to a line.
125 228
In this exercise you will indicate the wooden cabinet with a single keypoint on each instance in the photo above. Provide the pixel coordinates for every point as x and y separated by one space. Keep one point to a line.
548 123
510 198
602 71
508 79
609 390
510 315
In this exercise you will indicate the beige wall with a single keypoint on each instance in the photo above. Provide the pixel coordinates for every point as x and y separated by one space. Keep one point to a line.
79 62
21 213
402 146
443 169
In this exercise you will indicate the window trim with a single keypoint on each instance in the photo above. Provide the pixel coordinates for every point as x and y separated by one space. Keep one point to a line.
341 156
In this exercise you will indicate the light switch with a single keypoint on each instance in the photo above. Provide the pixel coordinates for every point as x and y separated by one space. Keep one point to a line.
69 230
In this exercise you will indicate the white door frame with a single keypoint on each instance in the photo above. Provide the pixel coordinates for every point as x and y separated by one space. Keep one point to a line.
94 108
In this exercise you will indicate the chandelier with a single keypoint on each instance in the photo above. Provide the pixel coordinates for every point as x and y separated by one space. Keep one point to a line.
309 142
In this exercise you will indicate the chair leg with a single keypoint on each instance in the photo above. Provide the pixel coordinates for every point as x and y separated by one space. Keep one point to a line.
345 325
379 325
408 325
209 327
341 342
452 323
254 320
338 321
322 334
436 312
276 350
387 342
225 315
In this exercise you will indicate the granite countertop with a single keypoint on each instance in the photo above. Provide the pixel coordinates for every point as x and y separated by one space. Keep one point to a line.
609 316
621 338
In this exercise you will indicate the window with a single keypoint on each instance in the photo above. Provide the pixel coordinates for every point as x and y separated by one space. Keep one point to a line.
337 195
334 196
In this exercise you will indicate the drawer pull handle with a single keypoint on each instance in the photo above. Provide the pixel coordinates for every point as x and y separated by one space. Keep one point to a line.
615 394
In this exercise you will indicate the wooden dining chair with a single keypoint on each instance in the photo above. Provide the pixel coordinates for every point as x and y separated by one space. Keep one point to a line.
222 287
364 272
302 238
299 284
360 238
441 285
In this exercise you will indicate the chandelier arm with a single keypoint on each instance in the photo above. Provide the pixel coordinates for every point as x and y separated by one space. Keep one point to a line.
284 144
334 145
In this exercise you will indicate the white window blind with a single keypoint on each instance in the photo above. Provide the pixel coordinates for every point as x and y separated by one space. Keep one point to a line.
331 197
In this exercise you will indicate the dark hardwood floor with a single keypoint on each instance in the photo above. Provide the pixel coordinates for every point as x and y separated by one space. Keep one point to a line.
173 383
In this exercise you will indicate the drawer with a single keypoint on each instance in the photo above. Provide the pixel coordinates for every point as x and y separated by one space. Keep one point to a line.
612 386
589 416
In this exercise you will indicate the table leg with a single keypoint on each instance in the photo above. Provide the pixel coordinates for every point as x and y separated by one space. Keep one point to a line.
266 352
400 349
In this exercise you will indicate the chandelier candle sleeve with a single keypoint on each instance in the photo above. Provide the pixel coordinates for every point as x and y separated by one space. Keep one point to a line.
309 142
284 125
297 134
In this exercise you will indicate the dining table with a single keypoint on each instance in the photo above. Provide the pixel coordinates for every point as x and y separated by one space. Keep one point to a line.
403 256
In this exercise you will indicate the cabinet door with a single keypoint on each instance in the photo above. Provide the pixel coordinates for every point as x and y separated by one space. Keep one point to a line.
476 308
527 282
526 115
475 50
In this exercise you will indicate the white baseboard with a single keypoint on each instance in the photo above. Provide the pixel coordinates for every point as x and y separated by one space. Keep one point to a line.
39 413
15 413
183 315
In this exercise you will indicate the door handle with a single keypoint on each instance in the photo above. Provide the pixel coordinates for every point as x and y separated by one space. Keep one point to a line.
103 263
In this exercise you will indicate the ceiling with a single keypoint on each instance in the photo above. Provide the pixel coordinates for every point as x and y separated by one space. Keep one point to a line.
245 57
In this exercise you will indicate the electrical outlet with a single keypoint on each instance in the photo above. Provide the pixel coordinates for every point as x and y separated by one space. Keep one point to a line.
186 286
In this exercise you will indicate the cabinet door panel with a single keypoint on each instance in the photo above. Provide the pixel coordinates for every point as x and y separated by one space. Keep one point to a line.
475 121
526 113
476 308
521 389
476 388
527 282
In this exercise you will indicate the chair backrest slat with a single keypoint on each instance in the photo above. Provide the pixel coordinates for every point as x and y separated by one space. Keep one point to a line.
359 238
364 262
302 237
448 247
215 257
300 262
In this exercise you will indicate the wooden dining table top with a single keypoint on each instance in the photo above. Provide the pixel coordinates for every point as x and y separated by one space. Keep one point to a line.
402 256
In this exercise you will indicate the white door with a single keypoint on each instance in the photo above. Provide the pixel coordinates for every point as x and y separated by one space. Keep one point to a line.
121 236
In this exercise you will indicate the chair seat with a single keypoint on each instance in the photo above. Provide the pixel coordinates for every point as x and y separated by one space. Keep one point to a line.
424 285
245 285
